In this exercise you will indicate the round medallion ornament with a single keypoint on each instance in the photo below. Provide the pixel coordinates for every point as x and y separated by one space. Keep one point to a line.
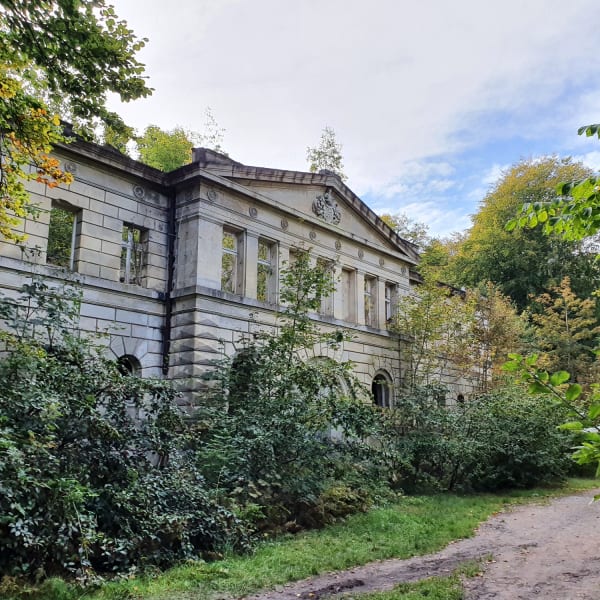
71 167
312 235
284 224
212 195
139 192
338 245
361 253
253 212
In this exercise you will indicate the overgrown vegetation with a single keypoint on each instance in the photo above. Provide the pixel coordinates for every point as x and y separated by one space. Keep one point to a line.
101 474
409 526
93 472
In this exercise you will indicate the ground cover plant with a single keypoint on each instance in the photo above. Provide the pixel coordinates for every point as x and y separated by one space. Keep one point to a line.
408 527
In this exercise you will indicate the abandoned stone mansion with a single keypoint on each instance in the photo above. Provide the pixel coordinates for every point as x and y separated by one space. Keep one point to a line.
177 267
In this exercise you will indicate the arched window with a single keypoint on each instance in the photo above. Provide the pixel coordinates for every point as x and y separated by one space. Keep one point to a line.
129 365
381 388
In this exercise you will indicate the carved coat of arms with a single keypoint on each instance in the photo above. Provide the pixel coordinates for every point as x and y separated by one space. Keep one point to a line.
326 207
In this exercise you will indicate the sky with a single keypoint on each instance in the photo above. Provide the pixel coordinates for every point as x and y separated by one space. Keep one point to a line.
431 100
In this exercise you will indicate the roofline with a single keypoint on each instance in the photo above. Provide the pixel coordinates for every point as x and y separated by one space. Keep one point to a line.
220 164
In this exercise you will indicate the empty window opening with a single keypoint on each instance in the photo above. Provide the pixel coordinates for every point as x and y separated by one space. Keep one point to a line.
62 238
132 255
265 271
129 365
229 262
370 300
381 388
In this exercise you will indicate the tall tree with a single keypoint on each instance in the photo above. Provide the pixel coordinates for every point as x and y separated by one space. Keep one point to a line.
165 150
523 263
169 150
327 155
407 228
57 53
567 332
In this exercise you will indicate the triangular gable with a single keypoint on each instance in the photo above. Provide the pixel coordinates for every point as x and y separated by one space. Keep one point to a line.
322 197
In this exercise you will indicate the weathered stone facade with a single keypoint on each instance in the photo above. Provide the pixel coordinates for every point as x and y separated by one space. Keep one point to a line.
177 267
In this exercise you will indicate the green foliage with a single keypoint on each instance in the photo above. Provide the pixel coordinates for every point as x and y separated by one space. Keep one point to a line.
409 526
413 231
490 253
60 237
169 150
573 211
436 320
76 53
327 155
499 440
566 332
93 472
59 57
165 150
583 408
274 447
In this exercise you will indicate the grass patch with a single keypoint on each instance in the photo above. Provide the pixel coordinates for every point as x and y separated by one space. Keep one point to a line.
436 588
412 526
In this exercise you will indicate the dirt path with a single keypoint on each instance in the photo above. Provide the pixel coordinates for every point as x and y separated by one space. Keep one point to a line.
539 551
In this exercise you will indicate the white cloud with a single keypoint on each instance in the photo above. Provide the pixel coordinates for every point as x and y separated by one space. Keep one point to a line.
493 174
402 83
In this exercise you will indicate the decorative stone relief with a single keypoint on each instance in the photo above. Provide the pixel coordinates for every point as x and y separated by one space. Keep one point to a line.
381 262
403 270
338 245
71 167
138 191
327 208
312 235
361 253
188 194
253 212
212 195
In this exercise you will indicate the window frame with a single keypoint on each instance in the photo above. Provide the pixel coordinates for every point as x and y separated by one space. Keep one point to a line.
132 249
237 254
75 232
382 383
270 265
370 300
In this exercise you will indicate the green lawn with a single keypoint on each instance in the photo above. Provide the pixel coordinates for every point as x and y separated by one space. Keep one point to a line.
413 525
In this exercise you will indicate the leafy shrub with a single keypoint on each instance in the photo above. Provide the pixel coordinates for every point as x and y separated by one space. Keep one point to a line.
93 475
506 438
272 439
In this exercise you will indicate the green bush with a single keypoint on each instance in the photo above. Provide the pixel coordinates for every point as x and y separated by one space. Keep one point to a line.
93 471
506 438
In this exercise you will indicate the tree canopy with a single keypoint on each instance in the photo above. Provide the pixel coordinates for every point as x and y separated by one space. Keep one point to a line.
169 150
523 263
60 59
327 155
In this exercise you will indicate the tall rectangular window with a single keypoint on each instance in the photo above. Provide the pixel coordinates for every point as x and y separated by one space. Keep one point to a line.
326 267
390 301
370 295
62 237
132 255
348 295
229 262
265 271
